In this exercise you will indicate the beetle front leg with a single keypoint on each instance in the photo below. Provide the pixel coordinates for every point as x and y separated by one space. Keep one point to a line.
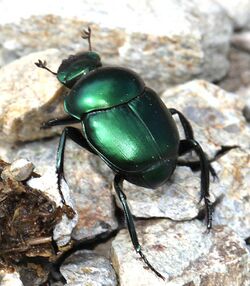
118 180
59 121
75 135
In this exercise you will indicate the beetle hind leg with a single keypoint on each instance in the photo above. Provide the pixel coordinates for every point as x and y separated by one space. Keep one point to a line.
189 134
193 145
118 180
195 165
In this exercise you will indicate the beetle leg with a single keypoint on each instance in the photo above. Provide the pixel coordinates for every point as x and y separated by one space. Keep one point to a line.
195 165
188 130
192 144
118 180
189 134
59 121
75 135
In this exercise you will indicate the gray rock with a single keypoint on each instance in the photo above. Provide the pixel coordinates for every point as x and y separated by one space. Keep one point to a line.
234 208
26 96
88 268
166 42
238 77
238 11
184 253
242 40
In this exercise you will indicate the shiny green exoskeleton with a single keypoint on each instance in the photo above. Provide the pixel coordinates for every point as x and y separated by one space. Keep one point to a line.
127 125
120 119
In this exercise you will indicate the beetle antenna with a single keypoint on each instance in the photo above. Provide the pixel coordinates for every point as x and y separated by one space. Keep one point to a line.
43 65
86 34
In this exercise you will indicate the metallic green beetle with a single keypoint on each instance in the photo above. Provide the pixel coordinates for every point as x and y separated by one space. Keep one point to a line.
127 125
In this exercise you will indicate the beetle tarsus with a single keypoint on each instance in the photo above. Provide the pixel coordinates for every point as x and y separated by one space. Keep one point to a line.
150 266
209 213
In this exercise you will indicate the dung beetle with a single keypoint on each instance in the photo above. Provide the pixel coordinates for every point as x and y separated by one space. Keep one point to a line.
128 126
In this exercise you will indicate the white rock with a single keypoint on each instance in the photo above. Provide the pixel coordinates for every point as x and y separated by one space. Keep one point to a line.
26 92
48 184
10 279
239 11
85 267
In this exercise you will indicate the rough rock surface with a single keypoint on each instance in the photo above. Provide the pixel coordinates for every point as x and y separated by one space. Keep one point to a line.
88 268
184 253
238 77
26 96
180 40
238 11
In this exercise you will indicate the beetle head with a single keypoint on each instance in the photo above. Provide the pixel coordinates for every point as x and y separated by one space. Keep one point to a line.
75 66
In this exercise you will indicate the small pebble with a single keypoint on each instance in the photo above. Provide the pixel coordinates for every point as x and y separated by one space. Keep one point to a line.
19 170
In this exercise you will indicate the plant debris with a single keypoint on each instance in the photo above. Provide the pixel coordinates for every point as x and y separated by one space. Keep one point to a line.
27 220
